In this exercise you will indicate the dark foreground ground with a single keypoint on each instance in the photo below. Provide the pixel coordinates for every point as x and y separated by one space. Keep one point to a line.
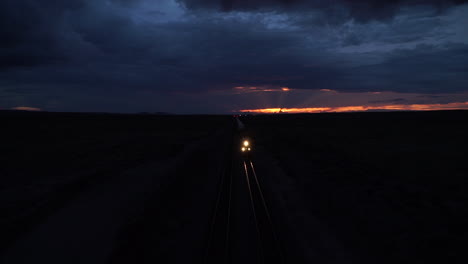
392 187
340 188
49 159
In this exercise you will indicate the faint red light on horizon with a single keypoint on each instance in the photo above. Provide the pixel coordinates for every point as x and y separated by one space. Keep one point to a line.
250 89
412 107
328 90
26 108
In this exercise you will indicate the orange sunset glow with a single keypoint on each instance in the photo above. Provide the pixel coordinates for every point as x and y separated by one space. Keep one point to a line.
327 90
253 89
26 108
411 107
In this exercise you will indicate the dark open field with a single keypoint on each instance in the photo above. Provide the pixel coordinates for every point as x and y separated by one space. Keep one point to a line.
341 188
392 187
48 158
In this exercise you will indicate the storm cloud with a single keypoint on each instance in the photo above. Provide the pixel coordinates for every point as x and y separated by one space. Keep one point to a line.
362 10
116 55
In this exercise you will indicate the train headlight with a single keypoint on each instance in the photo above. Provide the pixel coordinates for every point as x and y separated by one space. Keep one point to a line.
243 149
246 143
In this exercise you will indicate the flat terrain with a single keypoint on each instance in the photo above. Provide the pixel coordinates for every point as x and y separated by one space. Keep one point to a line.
392 187
323 188
48 159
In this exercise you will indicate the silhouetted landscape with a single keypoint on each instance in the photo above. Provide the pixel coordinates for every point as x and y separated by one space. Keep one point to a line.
47 159
390 186
233 131
338 188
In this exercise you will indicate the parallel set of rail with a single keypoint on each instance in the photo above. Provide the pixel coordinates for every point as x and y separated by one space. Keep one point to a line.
269 245
218 250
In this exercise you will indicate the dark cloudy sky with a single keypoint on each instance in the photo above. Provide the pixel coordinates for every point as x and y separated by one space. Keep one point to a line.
216 56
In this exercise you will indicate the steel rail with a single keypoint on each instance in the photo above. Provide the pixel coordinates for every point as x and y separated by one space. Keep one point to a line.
267 211
262 257
215 214
228 225
225 171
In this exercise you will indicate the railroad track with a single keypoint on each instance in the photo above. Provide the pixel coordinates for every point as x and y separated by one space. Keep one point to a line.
241 229
269 245
218 243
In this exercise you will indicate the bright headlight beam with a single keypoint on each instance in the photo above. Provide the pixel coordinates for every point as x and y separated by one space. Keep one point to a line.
246 143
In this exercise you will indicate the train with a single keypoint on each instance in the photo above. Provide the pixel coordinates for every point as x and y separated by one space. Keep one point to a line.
246 146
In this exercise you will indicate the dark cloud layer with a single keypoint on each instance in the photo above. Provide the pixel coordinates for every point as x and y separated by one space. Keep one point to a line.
359 9
71 51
